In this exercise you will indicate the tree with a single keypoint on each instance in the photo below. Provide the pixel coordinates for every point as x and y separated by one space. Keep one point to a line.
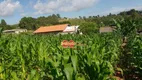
88 28
65 17
132 11
3 23
42 21
84 17
28 23
53 19
76 21
98 16
80 17
90 17
58 15
110 14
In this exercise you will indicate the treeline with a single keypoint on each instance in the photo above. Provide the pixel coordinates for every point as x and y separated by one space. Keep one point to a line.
108 20
33 23
86 22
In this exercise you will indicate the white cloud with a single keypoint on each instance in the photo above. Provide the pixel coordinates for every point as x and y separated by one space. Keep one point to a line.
116 10
8 7
23 14
62 5
27 14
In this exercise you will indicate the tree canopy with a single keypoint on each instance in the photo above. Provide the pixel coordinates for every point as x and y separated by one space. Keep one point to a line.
3 23
33 23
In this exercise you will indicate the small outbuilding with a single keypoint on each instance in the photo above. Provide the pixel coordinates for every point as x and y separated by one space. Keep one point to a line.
15 31
106 29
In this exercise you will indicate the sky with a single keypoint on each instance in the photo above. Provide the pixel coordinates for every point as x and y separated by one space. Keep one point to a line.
13 10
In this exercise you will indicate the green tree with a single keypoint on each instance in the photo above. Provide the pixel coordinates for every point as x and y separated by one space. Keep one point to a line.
58 15
28 23
42 21
84 17
90 17
80 17
88 28
76 21
14 26
53 19
3 22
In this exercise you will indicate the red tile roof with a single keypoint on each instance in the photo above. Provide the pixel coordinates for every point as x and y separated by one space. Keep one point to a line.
53 28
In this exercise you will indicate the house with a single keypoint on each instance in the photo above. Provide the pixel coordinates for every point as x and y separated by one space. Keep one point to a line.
106 29
57 29
70 29
15 31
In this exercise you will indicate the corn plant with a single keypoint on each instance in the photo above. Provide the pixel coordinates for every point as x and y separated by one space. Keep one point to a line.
126 27
1 29
41 57
133 67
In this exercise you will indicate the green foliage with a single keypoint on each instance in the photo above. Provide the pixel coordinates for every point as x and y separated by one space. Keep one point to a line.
53 19
76 21
126 27
131 58
1 29
3 23
64 22
41 57
58 15
89 28
33 23
42 21
28 23
14 26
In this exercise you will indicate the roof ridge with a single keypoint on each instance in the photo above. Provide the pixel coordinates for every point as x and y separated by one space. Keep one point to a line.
54 25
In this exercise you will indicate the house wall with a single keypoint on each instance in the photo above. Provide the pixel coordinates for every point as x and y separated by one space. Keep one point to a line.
15 31
71 29
106 29
55 32
9 32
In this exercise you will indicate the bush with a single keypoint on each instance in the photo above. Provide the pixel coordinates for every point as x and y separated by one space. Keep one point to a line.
89 28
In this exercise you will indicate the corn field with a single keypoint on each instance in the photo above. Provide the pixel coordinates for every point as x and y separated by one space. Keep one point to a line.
41 57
